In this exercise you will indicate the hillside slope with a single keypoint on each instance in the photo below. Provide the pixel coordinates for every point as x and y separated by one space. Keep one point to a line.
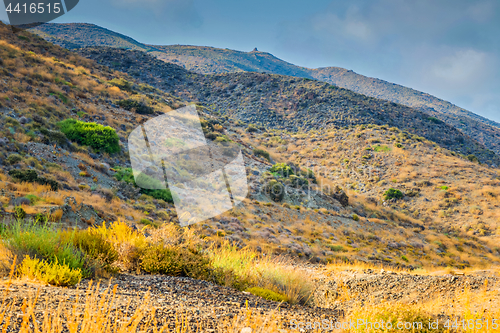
283 102
209 60
71 36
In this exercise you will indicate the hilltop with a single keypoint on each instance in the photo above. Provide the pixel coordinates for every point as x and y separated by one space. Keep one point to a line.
210 60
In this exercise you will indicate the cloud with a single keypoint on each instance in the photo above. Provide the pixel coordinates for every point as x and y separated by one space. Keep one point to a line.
461 67
350 26
176 13
448 48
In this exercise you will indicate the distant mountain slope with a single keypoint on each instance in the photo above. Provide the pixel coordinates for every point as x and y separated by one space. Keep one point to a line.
285 103
76 35
210 60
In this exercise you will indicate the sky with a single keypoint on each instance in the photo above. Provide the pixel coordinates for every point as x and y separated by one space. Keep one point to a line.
447 48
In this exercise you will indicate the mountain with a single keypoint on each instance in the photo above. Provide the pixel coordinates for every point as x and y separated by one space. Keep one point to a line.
368 188
209 60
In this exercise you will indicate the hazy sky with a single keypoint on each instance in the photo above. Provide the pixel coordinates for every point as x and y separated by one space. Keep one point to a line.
448 48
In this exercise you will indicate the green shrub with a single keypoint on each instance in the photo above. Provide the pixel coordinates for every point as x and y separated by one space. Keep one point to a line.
267 294
398 145
275 189
52 273
355 217
29 176
174 261
404 258
281 169
19 213
149 223
393 194
133 105
434 120
40 218
94 135
54 185
95 247
251 129
472 158
32 198
337 248
262 153
126 175
14 158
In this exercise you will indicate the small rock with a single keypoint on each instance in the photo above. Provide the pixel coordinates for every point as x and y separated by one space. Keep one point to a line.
246 330
65 88
20 201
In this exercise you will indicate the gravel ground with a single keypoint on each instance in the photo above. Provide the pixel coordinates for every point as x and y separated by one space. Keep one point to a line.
371 286
198 302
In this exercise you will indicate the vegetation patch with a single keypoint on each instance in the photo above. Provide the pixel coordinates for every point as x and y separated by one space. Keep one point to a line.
267 294
261 153
126 175
52 273
30 176
393 194
136 106
99 137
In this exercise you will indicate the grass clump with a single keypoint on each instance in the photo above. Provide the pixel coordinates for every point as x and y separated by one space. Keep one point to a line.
249 269
99 137
52 273
174 261
381 148
25 238
267 294
261 153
